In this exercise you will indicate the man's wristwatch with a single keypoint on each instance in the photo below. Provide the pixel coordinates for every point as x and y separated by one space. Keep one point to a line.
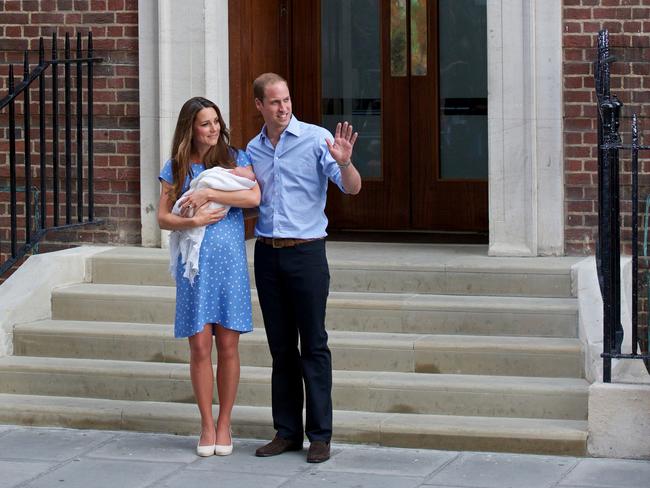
344 165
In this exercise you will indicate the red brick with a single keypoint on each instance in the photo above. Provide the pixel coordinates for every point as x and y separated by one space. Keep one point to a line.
115 5
15 18
574 68
81 4
580 207
573 27
114 31
126 18
642 13
579 124
572 82
12 5
575 40
577 13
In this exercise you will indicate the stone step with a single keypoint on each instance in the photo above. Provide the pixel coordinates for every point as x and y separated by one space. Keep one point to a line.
381 267
421 353
364 391
538 436
361 312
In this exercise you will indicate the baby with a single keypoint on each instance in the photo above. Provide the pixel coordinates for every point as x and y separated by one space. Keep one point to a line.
244 171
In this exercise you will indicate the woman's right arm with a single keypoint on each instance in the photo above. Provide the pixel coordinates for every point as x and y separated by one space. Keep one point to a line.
168 221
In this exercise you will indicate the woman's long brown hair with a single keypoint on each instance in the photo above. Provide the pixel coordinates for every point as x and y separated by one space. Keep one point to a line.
222 154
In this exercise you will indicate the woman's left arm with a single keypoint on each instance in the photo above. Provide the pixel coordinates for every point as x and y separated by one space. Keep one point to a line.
238 198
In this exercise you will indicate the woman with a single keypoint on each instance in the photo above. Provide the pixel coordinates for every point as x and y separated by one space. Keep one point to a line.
217 303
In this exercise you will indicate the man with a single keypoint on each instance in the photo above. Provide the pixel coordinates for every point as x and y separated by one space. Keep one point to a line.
293 161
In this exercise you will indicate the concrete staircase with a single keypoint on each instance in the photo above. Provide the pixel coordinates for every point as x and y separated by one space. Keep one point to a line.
433 346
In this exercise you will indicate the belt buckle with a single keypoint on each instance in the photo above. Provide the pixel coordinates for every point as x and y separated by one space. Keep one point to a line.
276 243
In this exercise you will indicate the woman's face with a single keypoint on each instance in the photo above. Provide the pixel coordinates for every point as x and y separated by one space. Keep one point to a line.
206 129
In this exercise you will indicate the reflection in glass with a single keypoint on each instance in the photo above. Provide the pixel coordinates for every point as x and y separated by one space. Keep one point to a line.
463 89
419 34
398 44
351 76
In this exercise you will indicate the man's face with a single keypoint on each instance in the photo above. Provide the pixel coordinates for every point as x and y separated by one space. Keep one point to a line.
276 106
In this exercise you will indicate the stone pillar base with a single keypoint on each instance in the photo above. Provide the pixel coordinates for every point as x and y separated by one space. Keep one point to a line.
619 421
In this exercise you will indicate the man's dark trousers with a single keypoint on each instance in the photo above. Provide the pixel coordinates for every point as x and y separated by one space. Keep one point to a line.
292 285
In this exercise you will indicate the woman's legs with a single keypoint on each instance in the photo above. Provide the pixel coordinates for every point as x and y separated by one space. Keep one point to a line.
227 379
203 381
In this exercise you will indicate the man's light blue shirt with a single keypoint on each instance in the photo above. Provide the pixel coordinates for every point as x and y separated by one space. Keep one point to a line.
293 178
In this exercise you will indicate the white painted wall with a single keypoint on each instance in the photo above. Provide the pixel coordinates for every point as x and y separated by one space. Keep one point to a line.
183 53
27 294
526 190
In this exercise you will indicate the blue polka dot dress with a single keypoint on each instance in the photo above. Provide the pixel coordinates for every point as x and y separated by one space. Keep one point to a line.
221 291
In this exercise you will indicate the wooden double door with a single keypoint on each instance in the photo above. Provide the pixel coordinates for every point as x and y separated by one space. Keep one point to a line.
406 74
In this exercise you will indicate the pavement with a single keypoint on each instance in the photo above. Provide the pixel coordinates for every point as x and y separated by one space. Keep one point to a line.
55 457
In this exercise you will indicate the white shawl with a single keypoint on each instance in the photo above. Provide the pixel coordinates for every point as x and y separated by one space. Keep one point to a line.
187 242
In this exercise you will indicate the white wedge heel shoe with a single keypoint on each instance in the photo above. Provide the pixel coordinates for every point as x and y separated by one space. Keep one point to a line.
224 450
205 451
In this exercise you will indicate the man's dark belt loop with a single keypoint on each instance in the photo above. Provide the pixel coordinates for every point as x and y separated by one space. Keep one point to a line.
279 242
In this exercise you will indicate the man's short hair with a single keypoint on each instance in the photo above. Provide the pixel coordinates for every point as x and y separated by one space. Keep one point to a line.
264 80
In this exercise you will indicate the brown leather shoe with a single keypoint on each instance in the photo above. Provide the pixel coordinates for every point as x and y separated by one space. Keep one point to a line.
277 446
319 451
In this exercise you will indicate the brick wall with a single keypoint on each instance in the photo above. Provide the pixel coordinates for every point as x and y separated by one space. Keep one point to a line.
628 22
114 24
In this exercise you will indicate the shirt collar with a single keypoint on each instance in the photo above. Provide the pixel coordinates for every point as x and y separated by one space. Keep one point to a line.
293 128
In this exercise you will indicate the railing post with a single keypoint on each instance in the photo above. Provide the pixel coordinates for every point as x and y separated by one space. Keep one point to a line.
41 123
80 214
12 162
635 232
68 133
55 130
28 163
91 195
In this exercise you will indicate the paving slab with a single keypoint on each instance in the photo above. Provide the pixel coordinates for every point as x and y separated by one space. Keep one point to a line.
608 473
479 470
317 479
221 479
415 462
17 472
49 444
102 473
136 447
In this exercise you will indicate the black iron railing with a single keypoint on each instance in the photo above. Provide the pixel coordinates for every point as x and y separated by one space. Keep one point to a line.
608 250
48 170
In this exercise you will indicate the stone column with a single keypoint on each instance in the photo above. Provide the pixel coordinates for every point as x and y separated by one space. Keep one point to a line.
183 53
526 179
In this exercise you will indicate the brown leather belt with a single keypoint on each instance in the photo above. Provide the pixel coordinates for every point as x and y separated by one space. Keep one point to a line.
278 242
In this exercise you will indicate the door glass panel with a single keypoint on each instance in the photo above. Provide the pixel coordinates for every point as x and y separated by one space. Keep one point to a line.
351 76
398 44
463 89
419 34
